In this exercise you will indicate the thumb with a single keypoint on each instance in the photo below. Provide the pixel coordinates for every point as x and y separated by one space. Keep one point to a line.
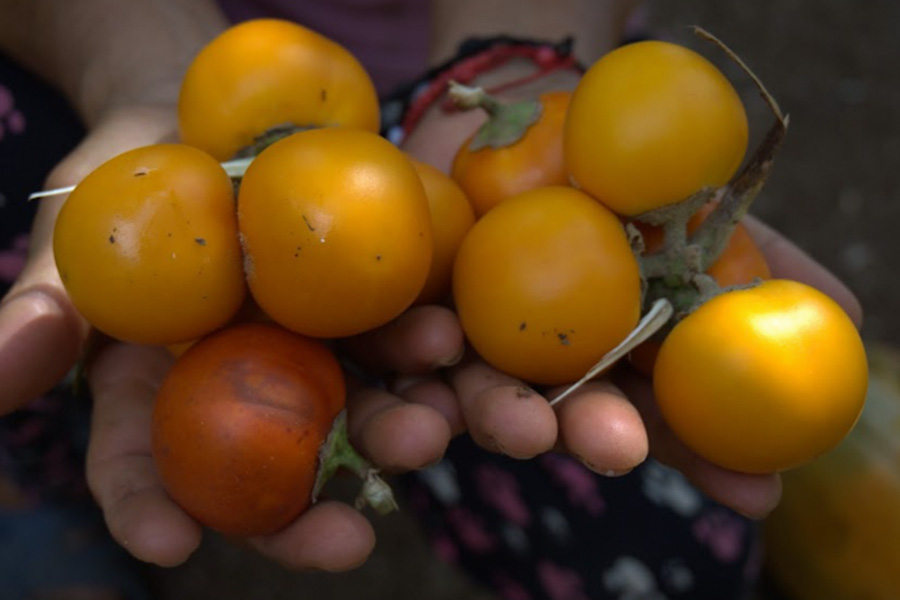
41 332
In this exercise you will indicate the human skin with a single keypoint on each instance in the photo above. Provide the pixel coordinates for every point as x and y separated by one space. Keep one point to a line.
120 65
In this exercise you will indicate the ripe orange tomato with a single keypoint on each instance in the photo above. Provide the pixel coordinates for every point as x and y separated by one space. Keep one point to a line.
336 231
489 175
545 284
238 423
650 124
267 73
762 379
146 246
451 218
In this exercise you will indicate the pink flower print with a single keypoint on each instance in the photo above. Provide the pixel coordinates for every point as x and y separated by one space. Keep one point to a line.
11 119
418 500
509 589
471 530
560 583
722 532
499 489
445 548
12 260
579 483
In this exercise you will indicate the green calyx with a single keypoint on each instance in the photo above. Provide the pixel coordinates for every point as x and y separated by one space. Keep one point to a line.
507 122
677 272
337 453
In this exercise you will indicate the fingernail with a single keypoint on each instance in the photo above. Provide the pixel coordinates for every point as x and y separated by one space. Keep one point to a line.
503 450
616 473
453 360
606 472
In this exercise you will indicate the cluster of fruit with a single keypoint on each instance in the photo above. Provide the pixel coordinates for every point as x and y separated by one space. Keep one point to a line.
550 242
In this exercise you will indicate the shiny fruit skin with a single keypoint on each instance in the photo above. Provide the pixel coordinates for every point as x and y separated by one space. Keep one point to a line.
147 246
267 73
545 284
650 124
762 379
336 231
238 423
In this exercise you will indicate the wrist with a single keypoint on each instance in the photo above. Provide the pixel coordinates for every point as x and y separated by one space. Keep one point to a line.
100 93
102 54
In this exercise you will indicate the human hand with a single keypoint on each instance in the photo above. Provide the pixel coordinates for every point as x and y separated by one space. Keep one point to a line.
330 536
119 65
611 425
41 333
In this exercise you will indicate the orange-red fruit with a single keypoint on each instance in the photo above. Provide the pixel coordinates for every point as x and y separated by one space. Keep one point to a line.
489 175
238 423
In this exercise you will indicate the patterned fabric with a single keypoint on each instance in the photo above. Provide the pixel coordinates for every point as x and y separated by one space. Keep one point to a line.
41 446
52 534
550 529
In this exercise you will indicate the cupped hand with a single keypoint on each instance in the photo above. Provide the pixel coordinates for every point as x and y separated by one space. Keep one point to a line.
611 425
41 333
331 536
139 513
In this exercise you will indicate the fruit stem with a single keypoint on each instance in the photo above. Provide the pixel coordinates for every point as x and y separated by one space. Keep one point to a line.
466 97
713 234
337 453
507 121
676 271
267 138
675 261
235 168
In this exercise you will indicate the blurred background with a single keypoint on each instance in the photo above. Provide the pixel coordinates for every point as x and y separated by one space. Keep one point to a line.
833 66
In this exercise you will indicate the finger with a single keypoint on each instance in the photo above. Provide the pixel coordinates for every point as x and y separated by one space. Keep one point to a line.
41 333
120 471
433 392
421 339
41 336
752 495
788 261
394 434
330 536
502 413
749 494
600 427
